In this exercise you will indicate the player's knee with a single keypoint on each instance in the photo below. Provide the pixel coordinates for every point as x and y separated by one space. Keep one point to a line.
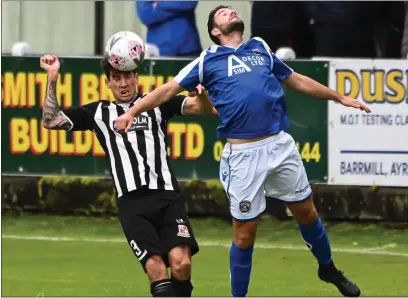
181 267
155 268
244 240
244 235
304 212
309 217
180 263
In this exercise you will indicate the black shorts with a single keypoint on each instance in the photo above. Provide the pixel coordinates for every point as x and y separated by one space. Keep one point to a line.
154 222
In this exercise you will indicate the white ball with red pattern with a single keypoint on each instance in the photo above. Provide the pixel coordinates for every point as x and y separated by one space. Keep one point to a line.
125 51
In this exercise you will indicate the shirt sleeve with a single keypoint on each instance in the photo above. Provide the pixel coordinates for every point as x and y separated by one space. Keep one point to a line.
173 107
278 68
150 16
179 6
188 77
82 117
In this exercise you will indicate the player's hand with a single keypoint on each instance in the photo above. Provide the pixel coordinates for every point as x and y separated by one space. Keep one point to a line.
124 122
51 65
354 103
197 91
202 94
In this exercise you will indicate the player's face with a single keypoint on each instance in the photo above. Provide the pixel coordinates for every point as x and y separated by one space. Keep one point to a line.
123 85
227 21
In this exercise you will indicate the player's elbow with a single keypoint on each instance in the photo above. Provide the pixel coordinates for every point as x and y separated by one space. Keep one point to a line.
49 126
47 123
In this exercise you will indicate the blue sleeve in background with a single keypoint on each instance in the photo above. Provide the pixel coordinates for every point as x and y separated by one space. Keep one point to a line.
152 16
177 5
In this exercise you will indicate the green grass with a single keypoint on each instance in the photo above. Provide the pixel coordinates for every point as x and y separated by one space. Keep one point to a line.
76 268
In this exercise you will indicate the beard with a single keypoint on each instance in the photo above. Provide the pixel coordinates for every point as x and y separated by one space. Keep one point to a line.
237 25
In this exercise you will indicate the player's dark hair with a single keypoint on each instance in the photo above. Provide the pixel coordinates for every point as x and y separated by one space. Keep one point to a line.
107 68
211 23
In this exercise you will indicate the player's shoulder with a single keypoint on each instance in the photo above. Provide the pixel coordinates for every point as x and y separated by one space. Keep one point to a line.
211 50
95 104
260 44
259 40
101 103
204 55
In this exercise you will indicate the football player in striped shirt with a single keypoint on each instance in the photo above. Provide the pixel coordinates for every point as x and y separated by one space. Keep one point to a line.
152 214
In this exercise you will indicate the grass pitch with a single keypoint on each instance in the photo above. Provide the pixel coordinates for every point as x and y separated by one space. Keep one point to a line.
82 256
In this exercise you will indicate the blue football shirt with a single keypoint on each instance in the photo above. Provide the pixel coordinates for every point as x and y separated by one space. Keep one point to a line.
244 84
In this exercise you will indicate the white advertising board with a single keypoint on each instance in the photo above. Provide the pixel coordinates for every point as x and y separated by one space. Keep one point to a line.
369 149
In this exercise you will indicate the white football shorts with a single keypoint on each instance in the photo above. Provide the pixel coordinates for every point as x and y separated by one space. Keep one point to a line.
271 167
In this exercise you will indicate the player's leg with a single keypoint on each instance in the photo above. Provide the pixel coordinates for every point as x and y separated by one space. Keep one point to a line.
289 183
143 238
178 239
315 236
242 173
311 228
180 264
241 251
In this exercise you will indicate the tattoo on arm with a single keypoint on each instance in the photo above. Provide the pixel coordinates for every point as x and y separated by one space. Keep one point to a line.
52 117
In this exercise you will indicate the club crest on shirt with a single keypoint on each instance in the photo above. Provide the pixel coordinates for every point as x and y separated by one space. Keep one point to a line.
139 123
256 51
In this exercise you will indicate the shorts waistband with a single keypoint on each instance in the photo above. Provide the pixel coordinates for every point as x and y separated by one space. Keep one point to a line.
256 143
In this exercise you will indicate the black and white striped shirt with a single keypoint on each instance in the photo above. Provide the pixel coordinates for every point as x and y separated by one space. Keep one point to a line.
136 158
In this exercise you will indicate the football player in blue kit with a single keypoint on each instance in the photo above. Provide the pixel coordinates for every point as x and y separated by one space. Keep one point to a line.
244 81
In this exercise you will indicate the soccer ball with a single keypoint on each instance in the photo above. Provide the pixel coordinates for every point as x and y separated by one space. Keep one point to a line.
125 51
21 48
285 53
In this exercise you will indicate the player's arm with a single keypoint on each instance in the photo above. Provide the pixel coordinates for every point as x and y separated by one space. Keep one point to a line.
187 78
306 85
196 103
197 106
310 87
313 88
150 15
80 118
51 115
156 98
200 104
180 6
76 118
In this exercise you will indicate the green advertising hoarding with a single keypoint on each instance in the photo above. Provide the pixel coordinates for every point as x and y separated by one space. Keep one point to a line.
28 148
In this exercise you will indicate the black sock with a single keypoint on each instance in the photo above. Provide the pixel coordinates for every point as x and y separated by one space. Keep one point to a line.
182 288
162 288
